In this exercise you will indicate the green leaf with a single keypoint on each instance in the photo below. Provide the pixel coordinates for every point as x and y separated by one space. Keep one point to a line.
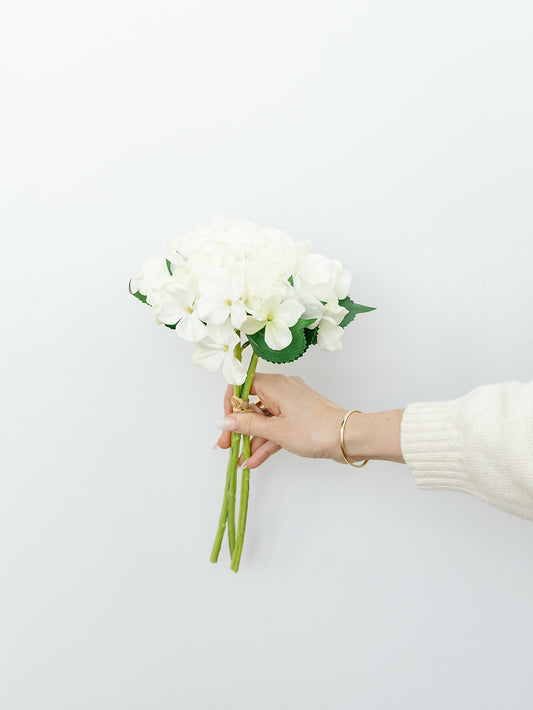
172 327
311 336
305 322
137 294
292 352
169 267
290 280
353 309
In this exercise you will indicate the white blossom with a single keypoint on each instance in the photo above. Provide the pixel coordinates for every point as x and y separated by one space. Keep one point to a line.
324 278
154 275
232 278
222 291
217 349
329 336
276 316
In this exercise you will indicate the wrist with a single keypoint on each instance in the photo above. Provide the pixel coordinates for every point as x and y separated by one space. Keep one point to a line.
373 436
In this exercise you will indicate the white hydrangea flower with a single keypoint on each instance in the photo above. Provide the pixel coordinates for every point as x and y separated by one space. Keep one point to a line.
184 313
153 276
330 333
325 279
172 302
222 291
232 276
276 316
217 350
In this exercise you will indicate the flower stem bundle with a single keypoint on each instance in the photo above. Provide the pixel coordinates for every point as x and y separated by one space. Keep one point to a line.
236 538
233 284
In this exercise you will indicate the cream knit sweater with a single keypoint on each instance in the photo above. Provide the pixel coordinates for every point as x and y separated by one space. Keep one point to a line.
481 443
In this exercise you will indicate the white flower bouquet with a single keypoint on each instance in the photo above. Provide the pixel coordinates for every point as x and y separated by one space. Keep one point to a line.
233 284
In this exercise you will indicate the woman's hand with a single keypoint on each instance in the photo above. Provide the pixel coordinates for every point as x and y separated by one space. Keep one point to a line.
305 423
302 422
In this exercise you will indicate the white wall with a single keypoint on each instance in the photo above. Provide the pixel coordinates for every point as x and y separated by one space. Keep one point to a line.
397 137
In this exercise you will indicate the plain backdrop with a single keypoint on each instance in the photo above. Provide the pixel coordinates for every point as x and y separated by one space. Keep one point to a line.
396 136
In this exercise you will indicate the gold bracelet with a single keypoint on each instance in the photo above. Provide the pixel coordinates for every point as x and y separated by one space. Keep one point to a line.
356 465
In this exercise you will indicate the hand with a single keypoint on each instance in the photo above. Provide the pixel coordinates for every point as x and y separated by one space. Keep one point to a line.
302 422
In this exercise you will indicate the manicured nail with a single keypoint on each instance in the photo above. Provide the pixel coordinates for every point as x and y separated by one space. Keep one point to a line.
215 445
227 424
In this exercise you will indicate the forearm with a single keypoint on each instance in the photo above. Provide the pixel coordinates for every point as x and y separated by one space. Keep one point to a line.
374 436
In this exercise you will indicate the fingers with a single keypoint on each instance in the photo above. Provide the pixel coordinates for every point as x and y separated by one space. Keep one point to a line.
224 440
261 454
270 389
273 390
255 443
302 422
228 394
255 424
260 450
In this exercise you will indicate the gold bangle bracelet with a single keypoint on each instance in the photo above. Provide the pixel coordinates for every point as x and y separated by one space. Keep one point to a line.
356 465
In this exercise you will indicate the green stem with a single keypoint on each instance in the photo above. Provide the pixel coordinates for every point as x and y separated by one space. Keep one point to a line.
243 507
232 491
245 478
227 512
233 462
249 378
232 465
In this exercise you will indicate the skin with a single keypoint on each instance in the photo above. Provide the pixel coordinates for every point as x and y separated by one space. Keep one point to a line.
307 424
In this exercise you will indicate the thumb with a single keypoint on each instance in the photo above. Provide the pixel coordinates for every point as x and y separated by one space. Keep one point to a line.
249 423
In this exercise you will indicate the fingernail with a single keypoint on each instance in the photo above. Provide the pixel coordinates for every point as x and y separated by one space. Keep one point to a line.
215 445
227 424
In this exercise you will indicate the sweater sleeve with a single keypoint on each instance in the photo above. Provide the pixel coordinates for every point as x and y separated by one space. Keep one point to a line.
481 443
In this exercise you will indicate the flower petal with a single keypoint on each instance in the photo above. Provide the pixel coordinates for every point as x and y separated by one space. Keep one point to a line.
342 283
236 284
277 334
289 311
215 282
212 309
191 328
208 356
223 334
167 311
329 335
238 313
251 325
313 307
154 274
335 311
234 371
323 292
271 302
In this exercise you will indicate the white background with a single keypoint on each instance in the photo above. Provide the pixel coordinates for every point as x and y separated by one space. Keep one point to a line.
395 136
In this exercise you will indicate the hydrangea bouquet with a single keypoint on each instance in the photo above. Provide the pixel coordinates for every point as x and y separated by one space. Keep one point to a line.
233 284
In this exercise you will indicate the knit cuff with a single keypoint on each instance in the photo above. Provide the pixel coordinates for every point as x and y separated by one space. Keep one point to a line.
430 445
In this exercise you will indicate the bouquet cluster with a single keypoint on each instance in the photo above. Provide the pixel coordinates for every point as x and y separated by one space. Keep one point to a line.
233 284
